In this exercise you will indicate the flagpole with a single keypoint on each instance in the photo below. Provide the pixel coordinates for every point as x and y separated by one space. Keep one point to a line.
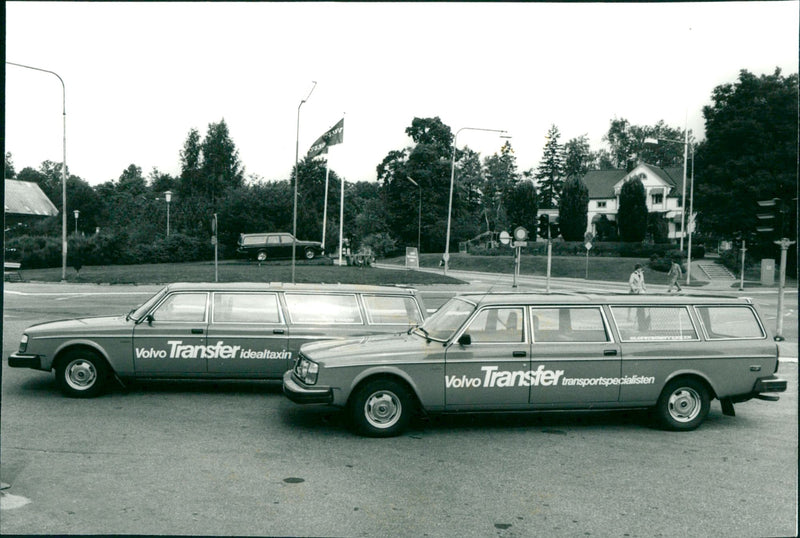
297 179
325 207
341 221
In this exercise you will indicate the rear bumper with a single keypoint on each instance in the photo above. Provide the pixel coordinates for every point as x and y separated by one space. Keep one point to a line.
18 360
762 386
302 394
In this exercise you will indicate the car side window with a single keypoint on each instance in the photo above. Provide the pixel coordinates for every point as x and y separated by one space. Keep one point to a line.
246 308
392 309
188 307
568 324
721 322
653 323
497 325
286 239
273 240
327 309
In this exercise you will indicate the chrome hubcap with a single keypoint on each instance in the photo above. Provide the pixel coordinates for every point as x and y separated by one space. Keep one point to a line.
684 404
81 374
382 409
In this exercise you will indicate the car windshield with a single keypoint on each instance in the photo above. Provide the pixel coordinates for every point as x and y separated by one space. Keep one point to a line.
445 321
138 313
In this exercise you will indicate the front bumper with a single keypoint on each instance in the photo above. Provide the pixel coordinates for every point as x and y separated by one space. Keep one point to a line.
18 360
302 394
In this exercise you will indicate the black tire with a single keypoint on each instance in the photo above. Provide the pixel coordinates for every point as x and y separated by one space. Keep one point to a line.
381 408
683 404
81 373
261 256
310 254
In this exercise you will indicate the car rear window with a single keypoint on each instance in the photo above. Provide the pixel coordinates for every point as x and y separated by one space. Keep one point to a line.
653 323
722 322
392 310
326 309
246 308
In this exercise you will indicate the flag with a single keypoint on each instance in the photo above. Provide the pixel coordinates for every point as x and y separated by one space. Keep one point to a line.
335 135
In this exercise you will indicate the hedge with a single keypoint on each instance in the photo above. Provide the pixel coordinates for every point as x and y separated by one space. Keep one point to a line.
599 248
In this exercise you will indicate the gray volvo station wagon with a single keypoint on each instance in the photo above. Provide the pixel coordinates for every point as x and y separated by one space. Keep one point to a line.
526 352
201 330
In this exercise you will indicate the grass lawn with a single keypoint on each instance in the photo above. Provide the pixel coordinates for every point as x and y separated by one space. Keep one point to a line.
234 271
600 268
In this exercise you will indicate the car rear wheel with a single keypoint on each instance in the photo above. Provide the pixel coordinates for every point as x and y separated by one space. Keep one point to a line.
81 374
683 404
310 253
261 256
381 408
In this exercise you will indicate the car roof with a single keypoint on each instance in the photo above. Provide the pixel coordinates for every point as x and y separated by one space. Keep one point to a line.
285 286
494 298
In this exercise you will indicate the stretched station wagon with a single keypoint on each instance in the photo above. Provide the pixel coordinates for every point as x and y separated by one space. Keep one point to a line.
511 352
231 330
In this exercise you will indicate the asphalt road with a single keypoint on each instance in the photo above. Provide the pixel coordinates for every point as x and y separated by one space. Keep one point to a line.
238 458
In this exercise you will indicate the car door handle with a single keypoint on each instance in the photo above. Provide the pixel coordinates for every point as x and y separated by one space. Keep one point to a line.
197 331
278 331
519 354
610 352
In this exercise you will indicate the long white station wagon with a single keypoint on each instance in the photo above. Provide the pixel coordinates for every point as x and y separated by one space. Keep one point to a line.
511 352
201 330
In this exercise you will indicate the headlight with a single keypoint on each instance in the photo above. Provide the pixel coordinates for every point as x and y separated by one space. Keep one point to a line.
23 343
306 370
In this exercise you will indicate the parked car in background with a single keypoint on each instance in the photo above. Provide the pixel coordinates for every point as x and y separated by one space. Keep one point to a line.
273 246
527 352
218 330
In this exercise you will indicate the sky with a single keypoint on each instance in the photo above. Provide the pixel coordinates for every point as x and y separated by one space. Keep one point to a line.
139 76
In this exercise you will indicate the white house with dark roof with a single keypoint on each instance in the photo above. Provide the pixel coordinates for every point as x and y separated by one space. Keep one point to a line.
663 188
24 201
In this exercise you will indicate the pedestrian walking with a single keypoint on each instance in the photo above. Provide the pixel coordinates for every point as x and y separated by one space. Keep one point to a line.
636 280
675 273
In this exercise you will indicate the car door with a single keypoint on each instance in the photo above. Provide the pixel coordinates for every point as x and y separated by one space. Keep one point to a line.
574 358
171 338
249 330
489 370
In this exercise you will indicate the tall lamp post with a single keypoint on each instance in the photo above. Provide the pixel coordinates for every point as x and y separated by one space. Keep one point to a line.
419 214
686 149
168 198
77 214
297 178
63 168
446 256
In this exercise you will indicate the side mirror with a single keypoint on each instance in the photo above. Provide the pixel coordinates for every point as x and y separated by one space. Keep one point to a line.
464 340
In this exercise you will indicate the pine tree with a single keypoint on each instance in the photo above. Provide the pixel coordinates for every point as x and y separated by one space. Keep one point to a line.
550 174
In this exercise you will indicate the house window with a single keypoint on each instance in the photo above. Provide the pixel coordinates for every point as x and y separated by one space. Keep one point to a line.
601 205
657 199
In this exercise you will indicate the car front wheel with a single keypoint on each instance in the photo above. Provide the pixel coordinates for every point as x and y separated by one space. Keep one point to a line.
81 374
683 404
310 253
381 408
261 256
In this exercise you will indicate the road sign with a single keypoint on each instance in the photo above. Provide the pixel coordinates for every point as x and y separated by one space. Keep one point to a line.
520 233
520 244
588 245
505 238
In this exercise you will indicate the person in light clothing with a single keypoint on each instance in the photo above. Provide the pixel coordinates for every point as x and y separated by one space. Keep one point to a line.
675 274
636 280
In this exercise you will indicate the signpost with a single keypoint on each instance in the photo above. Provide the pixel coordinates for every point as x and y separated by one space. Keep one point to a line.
412 258
520 240
216 247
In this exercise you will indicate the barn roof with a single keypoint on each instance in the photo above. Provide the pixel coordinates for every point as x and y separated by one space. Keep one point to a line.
27 198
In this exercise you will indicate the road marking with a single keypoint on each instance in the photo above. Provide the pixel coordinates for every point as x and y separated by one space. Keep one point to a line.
9 501
76 293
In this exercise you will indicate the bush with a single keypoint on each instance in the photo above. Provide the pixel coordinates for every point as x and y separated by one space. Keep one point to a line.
382 244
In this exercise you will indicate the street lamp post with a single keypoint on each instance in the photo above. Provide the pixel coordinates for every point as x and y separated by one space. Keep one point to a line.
686 148
446 256
419 215
168 198
297 178
77 213
63 168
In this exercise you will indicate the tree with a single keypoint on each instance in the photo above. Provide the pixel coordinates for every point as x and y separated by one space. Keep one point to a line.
522 206
628 147
632 214
573 207
501 176
578 157
190 180
550 173
750 152
220 167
